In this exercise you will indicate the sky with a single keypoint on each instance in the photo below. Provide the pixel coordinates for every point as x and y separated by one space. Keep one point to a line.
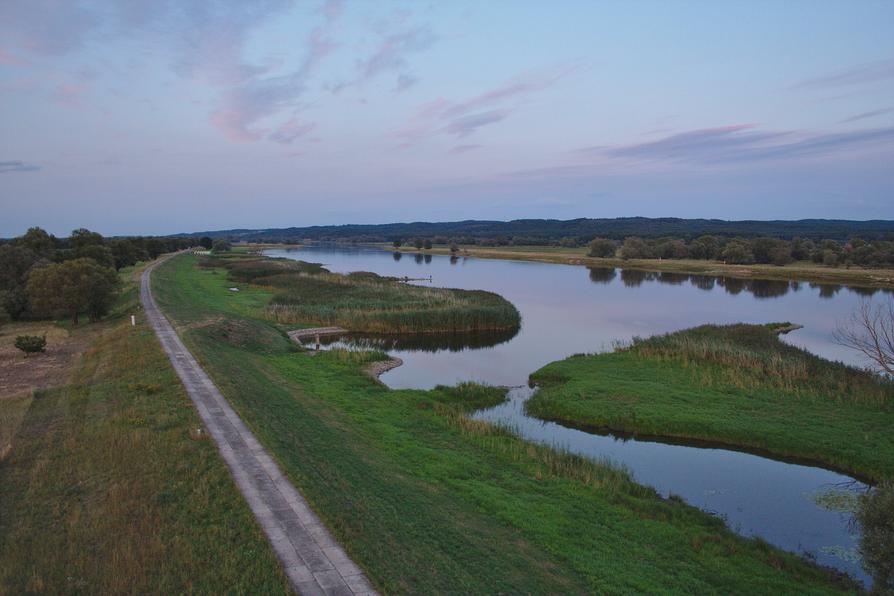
167 116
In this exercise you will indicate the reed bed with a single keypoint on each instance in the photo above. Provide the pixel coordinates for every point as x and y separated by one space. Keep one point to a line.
306 293
753 357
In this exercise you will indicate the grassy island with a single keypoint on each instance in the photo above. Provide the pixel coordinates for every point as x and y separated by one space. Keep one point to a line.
427 500
306 293
737 385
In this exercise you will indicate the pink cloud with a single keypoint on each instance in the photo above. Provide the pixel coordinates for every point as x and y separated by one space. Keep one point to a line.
252 97
465 117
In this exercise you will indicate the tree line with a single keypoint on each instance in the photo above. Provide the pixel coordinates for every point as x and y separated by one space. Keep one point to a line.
575 232
44 276
746 251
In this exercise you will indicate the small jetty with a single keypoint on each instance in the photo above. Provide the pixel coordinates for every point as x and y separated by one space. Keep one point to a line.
783 329
300 335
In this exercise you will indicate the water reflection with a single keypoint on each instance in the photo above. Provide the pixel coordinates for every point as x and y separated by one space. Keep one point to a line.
602 275
397 256
784 503
759 288
427 342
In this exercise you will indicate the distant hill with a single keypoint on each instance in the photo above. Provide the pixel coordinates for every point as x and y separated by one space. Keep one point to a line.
539 231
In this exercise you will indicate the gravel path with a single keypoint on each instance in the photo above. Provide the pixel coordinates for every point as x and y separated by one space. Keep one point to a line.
312 559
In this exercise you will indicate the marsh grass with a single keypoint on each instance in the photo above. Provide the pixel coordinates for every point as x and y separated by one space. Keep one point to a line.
738 385
752 356
305 293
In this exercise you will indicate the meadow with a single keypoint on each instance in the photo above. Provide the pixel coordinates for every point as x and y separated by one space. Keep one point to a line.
737 385
427 500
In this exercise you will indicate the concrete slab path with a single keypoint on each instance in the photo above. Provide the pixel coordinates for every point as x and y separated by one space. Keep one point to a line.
312 559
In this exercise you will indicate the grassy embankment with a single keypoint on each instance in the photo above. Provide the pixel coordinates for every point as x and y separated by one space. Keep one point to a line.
738 385
107 487
428 501
308 294
802 270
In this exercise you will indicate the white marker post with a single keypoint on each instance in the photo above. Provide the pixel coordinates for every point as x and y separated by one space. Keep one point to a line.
133 321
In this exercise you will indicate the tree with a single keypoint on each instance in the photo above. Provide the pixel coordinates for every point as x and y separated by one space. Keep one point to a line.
71 288
31 344
221 245
397 243
870 330
602 247
417 242
125 252
38 241
672 249
454 248
82 237
426 244
635 248
875 516
99 253
737 252
704 247
206 242
15 262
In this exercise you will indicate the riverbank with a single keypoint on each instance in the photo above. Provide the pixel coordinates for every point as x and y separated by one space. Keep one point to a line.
733 385
108 482
418 493
799 271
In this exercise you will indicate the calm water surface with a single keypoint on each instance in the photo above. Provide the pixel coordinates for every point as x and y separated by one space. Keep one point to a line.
571 309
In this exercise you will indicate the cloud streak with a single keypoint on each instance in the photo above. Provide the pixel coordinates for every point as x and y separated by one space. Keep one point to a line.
741 143
865 115
465 117
17 166
881 70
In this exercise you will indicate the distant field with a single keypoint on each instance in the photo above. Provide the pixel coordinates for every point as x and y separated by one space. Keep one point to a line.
739 385
428 501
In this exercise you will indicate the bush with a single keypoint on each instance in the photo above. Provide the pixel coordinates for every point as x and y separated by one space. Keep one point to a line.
635 248
220 245
31 344
602 247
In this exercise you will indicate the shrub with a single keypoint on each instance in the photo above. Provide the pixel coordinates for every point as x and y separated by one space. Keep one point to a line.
602 247
31 344
635 248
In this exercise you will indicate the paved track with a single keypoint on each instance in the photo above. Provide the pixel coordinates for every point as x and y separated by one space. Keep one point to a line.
312 559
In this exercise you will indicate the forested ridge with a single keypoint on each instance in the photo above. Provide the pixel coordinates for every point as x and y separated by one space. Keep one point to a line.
548 231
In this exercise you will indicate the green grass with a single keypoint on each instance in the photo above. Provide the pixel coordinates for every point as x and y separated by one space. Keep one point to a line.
428 501
305 293
108 489
738 385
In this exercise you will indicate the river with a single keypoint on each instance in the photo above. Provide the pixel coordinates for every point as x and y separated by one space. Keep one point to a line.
569 309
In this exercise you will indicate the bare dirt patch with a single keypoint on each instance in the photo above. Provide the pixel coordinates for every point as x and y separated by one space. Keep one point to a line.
19 375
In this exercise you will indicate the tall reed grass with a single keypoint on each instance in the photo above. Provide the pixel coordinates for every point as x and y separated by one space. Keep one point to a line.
307 293
751 357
